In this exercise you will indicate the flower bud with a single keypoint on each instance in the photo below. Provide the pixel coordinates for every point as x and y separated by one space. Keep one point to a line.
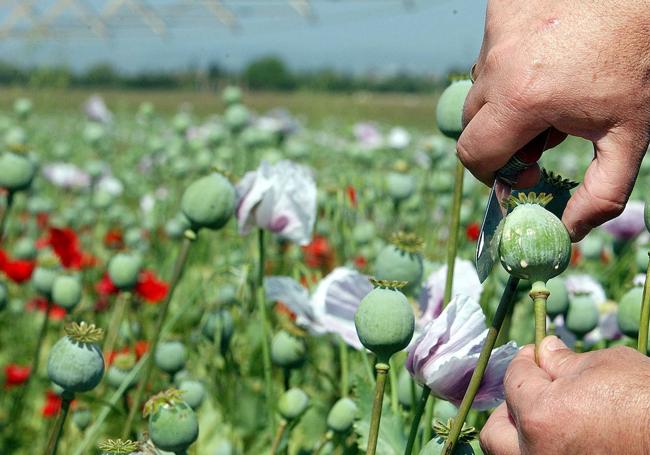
124 270
66 291
209 202
449 112
342 415
16 171
582 316
293 403
287 351
170 356
557 302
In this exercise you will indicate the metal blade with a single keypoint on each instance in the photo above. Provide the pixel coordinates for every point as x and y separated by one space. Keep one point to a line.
494 213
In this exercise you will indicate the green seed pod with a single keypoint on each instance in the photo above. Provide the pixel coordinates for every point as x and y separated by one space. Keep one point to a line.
170 356
558 299
384 321
193 392
641 258
209 202
23 107
231 95
236 117
81 418
182 121
534 244
434 447
406 388
219 321
449 112
173 425
364 232
293 403
124 270
342 415
582 316
66 291
24 249
400 186
4 296
16 171
118 372
591 247
287 351
75 362
444 410
401 261
43 279
629 312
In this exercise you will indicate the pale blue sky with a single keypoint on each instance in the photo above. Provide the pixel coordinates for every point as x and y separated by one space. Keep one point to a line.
433 36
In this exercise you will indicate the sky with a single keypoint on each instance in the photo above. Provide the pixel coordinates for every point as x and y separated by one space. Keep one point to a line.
427 37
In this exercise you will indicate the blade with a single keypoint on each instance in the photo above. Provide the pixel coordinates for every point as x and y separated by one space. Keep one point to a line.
494 213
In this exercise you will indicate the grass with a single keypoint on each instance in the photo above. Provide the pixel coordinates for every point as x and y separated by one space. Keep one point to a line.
315 109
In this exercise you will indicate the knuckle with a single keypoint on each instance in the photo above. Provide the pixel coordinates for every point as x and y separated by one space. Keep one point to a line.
464 151
536 423
486 439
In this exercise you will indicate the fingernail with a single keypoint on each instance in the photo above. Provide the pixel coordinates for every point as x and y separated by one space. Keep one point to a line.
555 344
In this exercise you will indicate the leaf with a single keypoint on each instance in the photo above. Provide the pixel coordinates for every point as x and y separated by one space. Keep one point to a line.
391 440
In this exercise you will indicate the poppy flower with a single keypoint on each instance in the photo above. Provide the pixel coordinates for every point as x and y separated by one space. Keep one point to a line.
465 282
352 195
141 348
66 246
16 375
319 254
52 405
19 270
445 355
331 307
114 239
56 312
149 287
96 110
628 224
66 175
472 232
280 198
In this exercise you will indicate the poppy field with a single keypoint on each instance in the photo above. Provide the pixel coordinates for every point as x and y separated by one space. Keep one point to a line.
240 281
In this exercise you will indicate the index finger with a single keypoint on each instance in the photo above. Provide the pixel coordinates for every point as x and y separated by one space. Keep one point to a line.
524 382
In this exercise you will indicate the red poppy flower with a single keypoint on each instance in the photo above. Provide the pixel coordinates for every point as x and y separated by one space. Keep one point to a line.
352 195
66 246
52 404
19 270
319 254
361 262
42 219
56 312
114 239
576 255
472 232
16 375
281 308
141 347
150 288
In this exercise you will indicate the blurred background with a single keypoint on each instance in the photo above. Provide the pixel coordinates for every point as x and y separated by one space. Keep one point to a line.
393 56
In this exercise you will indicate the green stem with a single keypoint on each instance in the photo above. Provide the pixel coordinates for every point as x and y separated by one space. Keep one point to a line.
116 320
367 366
415 424
394 397
181 259
580 346
278 436
373 435
40 340
5 214
321 445
428 418
505 303
539 294
452 246
261 308
57 430
551 328
642 345
343 359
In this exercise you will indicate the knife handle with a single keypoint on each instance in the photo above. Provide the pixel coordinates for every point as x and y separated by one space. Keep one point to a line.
524 158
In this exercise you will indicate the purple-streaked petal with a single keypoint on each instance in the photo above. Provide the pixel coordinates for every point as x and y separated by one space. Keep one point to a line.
628 224
66 175
585 284
465 283
289 292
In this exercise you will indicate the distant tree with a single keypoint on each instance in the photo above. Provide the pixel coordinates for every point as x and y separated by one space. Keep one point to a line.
268 73
100 75
50 76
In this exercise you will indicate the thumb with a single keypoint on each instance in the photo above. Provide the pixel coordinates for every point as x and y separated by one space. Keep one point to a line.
557 359
607 184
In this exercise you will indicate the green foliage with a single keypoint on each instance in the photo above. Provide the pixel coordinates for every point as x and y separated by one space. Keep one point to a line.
268 73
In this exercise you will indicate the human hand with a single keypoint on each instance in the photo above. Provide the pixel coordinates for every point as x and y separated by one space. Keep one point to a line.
578 68
592 403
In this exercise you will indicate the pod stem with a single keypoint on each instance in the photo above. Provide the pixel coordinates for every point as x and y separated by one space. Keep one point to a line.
580 346
503 309
345 367
123 301
181 260
261 309
642 345
382 372
41 339
278 436
454 224
323 442
428 418
415 424
57 430
539 294
5 214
